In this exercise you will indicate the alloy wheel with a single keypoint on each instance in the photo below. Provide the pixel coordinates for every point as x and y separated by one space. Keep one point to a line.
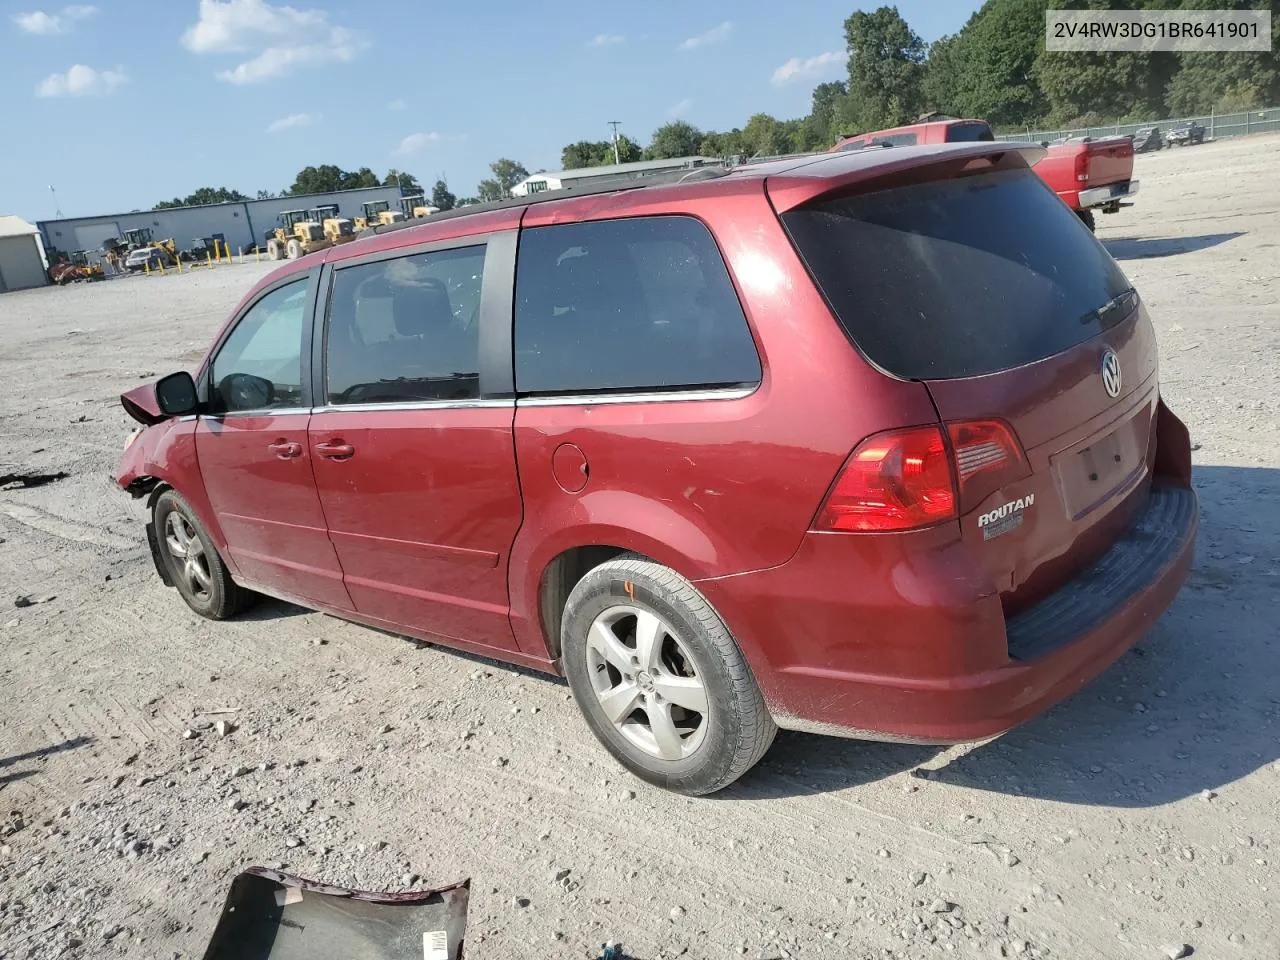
646 682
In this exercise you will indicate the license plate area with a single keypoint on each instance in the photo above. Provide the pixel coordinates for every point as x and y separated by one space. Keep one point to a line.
1108 466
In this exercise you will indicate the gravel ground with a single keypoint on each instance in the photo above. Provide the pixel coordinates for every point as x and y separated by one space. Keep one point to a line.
1138 819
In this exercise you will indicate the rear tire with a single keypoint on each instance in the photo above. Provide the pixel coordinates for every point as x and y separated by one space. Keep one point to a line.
192 561
1086 217
294 249
660 680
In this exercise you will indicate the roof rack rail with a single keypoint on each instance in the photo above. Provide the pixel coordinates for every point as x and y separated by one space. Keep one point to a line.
613 185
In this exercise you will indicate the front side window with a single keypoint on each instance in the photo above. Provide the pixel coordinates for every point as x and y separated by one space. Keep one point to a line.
406 330
629 305
259 366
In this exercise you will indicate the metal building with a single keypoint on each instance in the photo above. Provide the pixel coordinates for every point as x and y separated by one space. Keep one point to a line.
241 222
21 258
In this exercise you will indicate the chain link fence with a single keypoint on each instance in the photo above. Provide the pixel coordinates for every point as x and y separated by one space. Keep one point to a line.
1216 127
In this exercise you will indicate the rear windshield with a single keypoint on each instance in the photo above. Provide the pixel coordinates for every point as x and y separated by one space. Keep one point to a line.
967 132
960 277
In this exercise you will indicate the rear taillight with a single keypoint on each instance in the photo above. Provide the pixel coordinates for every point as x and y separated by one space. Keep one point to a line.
895 480
1082 166
904 479
988 456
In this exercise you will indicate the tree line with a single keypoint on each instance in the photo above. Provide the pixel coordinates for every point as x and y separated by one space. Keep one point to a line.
995 67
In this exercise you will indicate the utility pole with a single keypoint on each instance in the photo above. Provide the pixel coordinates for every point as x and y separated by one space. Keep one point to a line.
57 210
613 123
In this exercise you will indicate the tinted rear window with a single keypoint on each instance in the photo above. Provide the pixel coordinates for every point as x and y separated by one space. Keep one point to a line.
960 277
627 305
969 132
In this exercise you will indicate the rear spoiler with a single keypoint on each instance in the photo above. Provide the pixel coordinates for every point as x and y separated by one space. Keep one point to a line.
839 171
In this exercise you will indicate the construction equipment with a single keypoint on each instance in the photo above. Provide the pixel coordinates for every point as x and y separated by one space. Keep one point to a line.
140 237
376 213
297 235
417 207
336 229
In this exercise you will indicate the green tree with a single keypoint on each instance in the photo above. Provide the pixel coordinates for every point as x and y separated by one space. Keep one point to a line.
441 197
674 139
584 153
202 196
628 150
727 144
364 177
506 174
322 179
819 128
987 69
266 195
765 136
407 182
886 67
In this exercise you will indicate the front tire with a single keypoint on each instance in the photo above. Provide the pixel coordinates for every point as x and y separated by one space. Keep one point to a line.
192 561
274 251
660 680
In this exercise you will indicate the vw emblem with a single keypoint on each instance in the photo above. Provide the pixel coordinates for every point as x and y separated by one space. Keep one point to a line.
1111 373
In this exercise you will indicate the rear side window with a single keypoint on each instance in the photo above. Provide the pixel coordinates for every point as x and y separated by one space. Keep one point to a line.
960 277
627 305
406 330
898 139
969 132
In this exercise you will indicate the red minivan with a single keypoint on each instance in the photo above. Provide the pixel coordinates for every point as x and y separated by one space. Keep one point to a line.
867 444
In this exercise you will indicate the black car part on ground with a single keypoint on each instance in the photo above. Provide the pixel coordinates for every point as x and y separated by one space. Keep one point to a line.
270 915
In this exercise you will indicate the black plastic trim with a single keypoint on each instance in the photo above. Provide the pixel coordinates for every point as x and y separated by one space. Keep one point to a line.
1138 559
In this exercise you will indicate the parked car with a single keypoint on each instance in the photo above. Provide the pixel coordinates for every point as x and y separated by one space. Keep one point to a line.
140 258
1147 139
1185 134
1089 174
871 445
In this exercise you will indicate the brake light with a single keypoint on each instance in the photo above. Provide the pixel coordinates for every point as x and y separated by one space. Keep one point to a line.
988 456
1082 166
897 480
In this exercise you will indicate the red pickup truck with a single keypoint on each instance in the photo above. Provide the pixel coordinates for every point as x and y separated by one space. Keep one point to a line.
1087 174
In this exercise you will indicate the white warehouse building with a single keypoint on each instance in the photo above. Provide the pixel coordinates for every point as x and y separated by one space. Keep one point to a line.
241 222
21 258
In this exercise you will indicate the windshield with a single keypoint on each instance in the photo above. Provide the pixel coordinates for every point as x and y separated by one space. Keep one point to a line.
960 277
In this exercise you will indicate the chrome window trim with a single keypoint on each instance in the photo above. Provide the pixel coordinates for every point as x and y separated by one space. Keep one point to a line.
566 400
415 405
259 412
670 396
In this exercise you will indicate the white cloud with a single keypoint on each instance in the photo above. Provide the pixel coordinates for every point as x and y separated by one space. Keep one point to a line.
293 120
282 38
81 81
414 142
606 40
680 109
714 35
398 105
37 21
809 67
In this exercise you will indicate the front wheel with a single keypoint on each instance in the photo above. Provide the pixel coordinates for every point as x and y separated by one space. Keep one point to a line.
192 562
660 680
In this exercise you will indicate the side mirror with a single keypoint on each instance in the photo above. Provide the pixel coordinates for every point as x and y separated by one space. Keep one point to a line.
244 391
176 394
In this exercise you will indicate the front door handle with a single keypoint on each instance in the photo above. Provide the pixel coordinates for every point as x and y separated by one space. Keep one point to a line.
335 450
285 449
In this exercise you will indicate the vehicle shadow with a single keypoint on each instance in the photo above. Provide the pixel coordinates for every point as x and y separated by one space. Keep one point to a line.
1192 707
73 744
1145 248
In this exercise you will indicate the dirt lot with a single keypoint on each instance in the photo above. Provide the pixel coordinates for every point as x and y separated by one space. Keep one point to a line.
1138 817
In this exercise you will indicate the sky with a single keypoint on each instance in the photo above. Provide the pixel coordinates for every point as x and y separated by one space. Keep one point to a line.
121 105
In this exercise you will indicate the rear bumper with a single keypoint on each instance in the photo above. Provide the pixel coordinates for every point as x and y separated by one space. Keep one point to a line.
1111 193
953 670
